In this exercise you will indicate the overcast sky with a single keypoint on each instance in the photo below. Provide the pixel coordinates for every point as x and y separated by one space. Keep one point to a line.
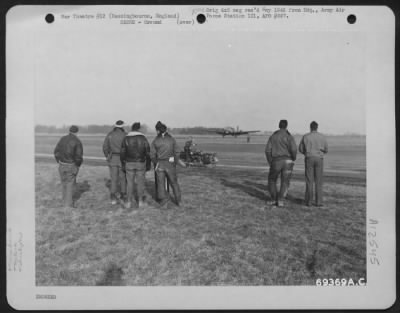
213 79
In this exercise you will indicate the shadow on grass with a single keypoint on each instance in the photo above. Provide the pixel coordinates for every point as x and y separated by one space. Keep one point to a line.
112 276
253 189
107 183
311 262
151 189
295 200
248 187
257 185
344 250
81 188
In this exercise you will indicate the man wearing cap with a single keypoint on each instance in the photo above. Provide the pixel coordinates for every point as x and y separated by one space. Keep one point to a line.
112 150
314 146
188 149
164 153
135 152
281 151
69 155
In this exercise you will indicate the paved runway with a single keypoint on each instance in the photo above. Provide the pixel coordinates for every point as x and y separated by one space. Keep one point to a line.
101 160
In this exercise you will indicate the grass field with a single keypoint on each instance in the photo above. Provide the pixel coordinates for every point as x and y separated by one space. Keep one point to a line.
223 234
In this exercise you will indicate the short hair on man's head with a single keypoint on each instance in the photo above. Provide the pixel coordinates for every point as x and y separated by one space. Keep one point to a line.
74 129
135 126
314 125
283 124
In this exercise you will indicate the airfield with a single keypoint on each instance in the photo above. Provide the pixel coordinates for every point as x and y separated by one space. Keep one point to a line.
223 234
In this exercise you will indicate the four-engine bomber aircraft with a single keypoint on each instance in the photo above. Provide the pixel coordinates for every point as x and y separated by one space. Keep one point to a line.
230 131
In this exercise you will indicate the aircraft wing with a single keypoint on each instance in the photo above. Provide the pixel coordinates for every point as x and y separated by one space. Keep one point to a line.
218 131
247 132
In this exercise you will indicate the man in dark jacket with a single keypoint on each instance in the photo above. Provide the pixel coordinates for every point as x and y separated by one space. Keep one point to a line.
69 155
135 151
281 151
112 149
164 153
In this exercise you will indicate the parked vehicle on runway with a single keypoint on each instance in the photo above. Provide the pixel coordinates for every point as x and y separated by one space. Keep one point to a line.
199 158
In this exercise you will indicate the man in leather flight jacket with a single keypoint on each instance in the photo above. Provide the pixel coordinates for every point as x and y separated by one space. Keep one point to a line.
69 155
135 154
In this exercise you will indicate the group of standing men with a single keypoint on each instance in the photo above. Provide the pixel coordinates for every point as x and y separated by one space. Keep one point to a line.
281 152
129 156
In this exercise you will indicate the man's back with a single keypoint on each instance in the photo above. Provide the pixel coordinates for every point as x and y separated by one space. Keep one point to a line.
313 144
281 145
135 147
113 141
69 150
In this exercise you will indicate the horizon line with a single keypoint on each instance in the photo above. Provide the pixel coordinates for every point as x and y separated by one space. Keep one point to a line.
261 132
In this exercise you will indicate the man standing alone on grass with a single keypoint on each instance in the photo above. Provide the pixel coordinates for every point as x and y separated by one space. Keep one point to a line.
135 154
314 146
164 153
69 155
281 151
112 149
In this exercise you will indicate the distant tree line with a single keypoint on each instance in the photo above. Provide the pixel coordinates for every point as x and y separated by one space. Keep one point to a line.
197 130
83 129
103 129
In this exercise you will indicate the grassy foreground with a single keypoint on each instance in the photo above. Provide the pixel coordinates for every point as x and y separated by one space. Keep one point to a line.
223 234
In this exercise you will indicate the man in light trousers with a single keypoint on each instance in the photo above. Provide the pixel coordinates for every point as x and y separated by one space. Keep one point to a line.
314 146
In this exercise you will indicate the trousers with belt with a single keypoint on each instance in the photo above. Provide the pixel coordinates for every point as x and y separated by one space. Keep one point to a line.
167 170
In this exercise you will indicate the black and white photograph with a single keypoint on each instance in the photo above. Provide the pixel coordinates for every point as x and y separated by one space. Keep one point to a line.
201 146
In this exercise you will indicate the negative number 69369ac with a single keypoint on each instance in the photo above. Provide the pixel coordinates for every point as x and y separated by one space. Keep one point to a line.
340 282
